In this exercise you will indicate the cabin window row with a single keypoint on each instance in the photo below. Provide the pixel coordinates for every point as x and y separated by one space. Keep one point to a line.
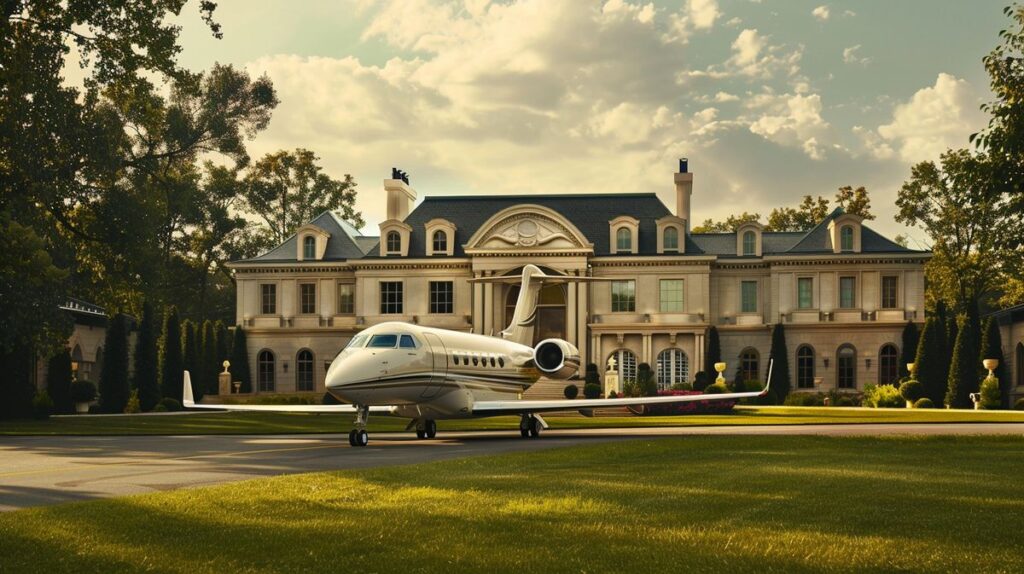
478 360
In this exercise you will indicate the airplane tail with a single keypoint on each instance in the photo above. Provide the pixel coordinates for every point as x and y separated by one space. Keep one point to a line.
187 398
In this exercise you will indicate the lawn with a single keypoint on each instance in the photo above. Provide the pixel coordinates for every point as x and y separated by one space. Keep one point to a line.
784 504
276 423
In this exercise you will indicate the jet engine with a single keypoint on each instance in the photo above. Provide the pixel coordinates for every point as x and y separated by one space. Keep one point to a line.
556 358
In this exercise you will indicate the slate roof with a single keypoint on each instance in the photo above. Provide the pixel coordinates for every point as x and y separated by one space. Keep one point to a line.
590 213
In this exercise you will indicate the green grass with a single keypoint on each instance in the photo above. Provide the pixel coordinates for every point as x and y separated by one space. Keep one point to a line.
276 423
783 504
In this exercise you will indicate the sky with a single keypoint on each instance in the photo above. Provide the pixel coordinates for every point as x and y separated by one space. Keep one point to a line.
769 100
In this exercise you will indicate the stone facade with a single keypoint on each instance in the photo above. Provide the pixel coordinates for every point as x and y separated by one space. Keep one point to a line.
843 291
1011 331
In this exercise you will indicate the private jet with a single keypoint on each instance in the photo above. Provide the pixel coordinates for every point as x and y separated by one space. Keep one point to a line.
427 374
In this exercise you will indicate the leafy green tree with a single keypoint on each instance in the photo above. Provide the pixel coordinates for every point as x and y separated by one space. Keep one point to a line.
171 360
809 213
729 225
855 201
932 360
963 375
992 348
240 371
779 357
146 377
208 364
712 353
114 387
286 189
58 382
908 353
191 358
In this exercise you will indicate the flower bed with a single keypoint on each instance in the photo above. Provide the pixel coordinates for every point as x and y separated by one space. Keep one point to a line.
692 408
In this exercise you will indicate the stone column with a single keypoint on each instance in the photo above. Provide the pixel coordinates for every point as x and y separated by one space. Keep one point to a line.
582 316
571 326
488 325
646 356
478 301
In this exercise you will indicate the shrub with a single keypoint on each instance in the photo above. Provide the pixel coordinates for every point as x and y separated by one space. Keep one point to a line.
83 391
592 375
716 389
804 400
329 399
629 389
912 390
170 404
883 397
707 406
991 395
159 408
571 391
42 405
613 395
133 406
924 403
1018 405
682 387
591 391
648 386
845 401
701 381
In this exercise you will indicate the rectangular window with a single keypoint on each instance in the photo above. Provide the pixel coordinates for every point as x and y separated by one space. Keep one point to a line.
442 299
890 286
391 297
671 295
268 298
346 299
805 292
748 296
847 292
623 296
307 298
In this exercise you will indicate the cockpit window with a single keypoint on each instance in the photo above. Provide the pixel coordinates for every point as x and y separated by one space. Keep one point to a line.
383 341
407 342
356 342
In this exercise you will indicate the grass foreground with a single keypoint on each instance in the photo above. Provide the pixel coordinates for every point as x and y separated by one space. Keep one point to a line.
783 504
297 423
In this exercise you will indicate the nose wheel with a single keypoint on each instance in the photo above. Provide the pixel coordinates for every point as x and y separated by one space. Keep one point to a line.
358 436
530 426
426 429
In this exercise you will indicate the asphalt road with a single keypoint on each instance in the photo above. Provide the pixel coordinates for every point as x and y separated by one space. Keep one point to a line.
39 470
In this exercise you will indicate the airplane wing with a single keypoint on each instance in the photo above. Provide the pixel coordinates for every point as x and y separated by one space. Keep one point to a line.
188 401
486 408
516 279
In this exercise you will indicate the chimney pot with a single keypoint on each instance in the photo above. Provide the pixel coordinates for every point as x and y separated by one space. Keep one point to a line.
683 164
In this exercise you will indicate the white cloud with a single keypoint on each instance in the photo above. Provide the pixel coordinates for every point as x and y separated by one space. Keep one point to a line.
695 15
936 118
821 13
791 119
851 56
726 97
753 56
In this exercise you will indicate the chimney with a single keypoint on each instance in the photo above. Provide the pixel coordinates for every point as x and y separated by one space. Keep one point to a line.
400 195
684 189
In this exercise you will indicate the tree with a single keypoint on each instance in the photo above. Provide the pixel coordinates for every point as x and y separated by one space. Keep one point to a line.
809 213
146 377
240 371
855 201
931 360
908 353
171 361
992 348
16 366
963 375
223 344
58 382
114 387
208 363
712 353
191 359
779 358
286 189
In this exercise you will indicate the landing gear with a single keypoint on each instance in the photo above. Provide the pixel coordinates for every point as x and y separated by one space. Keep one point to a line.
358 436
530 426
426 428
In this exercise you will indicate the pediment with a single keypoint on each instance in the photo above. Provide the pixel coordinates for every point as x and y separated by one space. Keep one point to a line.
528 228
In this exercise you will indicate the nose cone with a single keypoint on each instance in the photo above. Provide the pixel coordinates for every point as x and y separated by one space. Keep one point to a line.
352 367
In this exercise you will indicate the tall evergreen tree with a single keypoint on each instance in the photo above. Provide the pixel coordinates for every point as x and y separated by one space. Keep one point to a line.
992 348
114 388
931 360
779 357
171 360
208 362
908 354
16 389
240 361
713 353
963 376
223 344
190 354
58 382
146 377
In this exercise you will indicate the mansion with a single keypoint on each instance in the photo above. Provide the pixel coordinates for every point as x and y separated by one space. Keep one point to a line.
843 291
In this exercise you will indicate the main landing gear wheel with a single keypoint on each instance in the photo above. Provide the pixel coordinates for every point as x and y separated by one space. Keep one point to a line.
530 426
358 437
430 428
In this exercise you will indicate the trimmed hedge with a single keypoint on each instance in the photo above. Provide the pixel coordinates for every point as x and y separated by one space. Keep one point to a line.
883 397
924 403
571 391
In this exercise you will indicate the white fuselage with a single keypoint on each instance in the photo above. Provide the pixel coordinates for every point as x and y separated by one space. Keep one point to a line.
429 373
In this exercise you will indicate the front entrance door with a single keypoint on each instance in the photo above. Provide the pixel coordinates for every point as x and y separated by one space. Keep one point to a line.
439 370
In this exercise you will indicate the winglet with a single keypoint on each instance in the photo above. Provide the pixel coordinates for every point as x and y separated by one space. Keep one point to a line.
186 392
768 383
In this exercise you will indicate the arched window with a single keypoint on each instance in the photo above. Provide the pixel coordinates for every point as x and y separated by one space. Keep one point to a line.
805 367
304 370
265 371
750 365
670 239
846 238
394 242
888 365
749 243
673 367
1019 364
77 372
623 240
440 241
625 364
846 367
309 247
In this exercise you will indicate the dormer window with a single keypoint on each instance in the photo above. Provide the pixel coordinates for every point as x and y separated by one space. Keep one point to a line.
670 239
749 243
394 242
623 234
309 247
670 234
845 233
623 240
439 237
440 241
846 238
394 238
748 239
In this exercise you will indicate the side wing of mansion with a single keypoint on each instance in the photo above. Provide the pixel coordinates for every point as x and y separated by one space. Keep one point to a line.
843 291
